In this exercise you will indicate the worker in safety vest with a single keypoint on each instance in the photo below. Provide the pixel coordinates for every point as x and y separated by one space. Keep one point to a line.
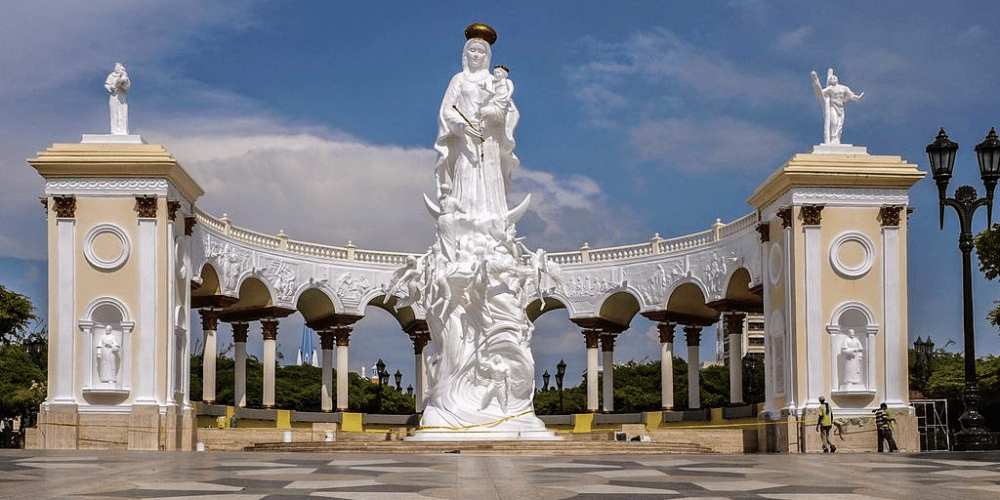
823 425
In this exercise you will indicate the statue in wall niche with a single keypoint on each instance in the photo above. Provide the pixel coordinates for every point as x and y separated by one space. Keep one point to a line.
834 96
107 357
853 353
118 84
473 284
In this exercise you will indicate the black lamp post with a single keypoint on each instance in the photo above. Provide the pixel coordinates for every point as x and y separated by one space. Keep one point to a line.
399 379
409 390
545 381
974 435
923 348
560 373
383 379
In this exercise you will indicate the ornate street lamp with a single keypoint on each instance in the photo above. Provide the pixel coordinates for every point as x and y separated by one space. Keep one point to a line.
941 153
560 373
545 381
409 390
383 379
399 379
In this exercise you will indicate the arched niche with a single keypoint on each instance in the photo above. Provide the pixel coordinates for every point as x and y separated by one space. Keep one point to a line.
106 328
852 331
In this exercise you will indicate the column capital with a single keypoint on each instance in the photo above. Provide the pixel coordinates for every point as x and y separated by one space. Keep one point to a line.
785 213
764 229
591 337
889 215
666 329
342 334
173 206
734 323
209 319
608 342
240 332
145 206
693 335
326 339
189 223
811 215
64 206
420 338
269 329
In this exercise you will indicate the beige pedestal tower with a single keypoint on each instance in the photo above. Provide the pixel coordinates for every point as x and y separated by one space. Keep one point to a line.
833 235
119 217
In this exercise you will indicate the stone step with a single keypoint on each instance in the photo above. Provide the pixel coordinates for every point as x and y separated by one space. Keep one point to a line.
487 447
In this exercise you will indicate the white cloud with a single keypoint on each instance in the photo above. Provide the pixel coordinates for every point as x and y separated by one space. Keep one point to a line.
794 40
706 146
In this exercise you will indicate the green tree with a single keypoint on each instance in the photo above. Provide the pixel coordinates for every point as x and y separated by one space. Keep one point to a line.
988 252
16 313
22 383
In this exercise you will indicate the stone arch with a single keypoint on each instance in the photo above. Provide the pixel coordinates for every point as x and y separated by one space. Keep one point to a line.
687 300
315 301
618 307
553 302
206 281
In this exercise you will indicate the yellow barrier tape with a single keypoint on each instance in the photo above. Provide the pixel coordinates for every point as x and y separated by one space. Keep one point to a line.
476 425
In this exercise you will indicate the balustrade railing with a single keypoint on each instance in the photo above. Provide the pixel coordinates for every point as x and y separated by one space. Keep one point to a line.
655 246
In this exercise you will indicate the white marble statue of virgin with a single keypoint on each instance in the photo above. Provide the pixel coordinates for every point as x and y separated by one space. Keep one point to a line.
475 140
118 84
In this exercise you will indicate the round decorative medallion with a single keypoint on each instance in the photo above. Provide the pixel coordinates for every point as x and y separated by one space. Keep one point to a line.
852 254
106 246
774 262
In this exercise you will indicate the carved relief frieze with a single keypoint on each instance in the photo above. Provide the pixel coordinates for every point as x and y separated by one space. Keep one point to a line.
232 261
283 277
716 268
653 281
352 288
591 284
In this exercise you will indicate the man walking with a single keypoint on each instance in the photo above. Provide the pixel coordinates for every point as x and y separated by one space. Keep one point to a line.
883 424
824 424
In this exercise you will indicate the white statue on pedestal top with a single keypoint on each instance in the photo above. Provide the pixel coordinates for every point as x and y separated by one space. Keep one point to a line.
118 84
474 282
833 97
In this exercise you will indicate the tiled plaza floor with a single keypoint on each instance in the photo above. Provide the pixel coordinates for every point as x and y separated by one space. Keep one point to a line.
251 476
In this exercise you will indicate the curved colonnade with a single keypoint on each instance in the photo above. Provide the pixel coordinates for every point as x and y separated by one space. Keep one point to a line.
242 276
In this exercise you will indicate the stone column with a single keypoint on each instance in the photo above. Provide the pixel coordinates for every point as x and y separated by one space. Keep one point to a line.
666 330
734 327
210 328
269 330
343 336
693 335
591 337
240 332
608 349
420 339
814 253
326 339
893 279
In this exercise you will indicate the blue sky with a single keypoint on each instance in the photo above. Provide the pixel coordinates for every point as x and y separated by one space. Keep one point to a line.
318 118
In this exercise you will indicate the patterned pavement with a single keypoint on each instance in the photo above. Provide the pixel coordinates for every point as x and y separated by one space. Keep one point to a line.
251 476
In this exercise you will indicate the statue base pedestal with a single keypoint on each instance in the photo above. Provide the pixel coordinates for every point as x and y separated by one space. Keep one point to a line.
111 139
483 435
839 149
